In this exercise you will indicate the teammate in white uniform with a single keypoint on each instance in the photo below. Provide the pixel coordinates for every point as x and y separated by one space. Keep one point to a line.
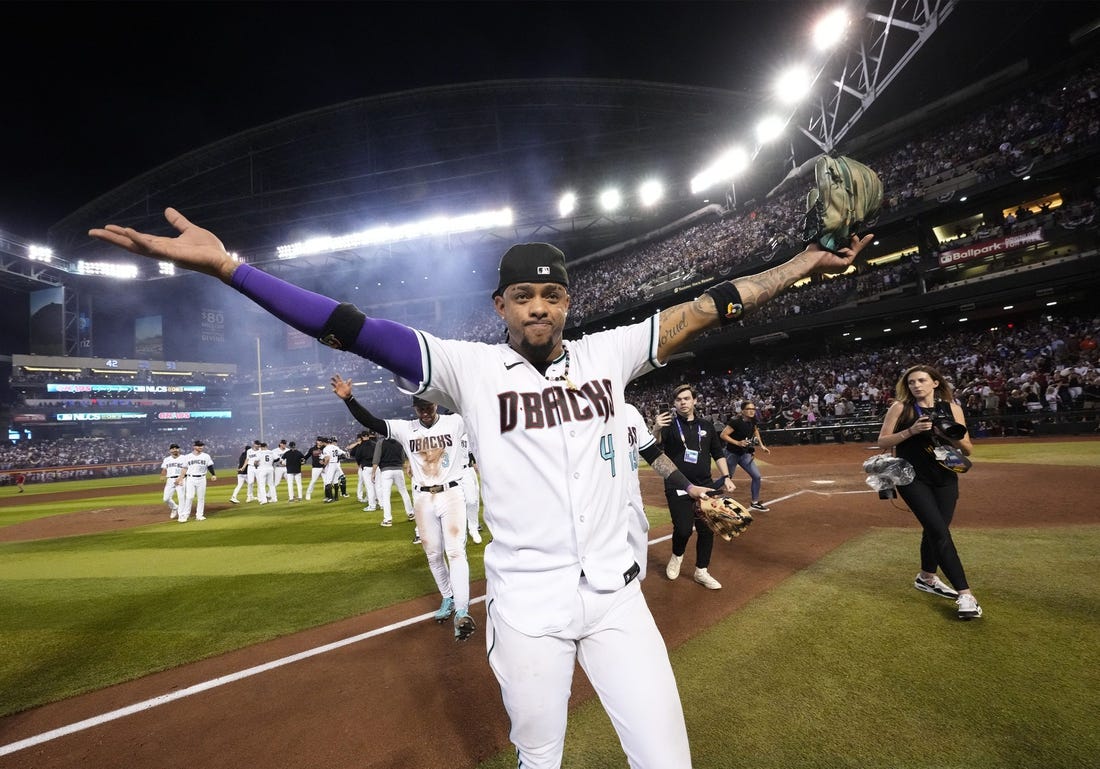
280 469
316 464
330 472
242 475
265 474
251 466
171 468
544 421
433 444
472 492
199 464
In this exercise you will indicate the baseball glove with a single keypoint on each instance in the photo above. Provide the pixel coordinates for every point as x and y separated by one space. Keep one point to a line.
846 197
725 516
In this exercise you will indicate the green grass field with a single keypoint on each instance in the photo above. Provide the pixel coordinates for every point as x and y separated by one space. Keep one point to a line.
842 665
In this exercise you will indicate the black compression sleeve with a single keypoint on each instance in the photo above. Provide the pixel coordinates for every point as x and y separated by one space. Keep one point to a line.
365 418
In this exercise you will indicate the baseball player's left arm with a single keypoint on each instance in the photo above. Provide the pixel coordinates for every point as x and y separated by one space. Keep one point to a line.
731 300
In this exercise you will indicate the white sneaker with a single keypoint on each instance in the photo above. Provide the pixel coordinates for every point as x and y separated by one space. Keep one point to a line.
936 587
200 517
702 576
474 535
672 571
968 607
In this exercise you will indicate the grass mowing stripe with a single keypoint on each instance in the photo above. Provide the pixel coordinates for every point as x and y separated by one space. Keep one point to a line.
846 666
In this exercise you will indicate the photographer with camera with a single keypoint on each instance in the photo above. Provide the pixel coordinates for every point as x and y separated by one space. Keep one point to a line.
927 428
741 439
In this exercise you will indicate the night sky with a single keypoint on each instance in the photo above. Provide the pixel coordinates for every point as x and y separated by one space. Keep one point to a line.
100 92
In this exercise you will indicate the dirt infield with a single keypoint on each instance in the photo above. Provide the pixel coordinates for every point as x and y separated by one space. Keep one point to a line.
411 697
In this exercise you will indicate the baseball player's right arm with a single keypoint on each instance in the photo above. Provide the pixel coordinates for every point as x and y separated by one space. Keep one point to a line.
684 322
342 326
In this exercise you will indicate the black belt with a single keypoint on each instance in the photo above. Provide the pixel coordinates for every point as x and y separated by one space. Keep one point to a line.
438 487
196 476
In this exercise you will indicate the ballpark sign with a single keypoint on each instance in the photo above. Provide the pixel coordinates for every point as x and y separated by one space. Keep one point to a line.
989 247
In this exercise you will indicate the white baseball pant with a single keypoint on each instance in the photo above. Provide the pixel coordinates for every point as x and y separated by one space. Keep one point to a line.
315 474
441 522
365 490
195 493
472 494
387 480
265 484
242 480
293 480
617 643
170 490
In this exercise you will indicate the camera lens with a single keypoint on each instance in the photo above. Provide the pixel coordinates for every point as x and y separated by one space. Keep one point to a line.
950 428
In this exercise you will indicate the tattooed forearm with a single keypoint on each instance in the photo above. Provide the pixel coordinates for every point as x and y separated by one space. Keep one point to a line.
682 323
758 289
664 466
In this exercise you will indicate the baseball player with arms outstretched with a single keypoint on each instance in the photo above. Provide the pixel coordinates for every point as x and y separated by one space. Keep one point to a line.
545 423
433 444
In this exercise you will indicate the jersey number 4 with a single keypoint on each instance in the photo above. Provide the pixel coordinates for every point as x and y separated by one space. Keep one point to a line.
607 450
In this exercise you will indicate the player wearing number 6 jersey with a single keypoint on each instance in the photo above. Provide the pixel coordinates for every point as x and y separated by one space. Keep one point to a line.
544 422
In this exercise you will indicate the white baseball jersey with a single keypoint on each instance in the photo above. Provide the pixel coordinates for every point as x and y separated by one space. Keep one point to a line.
638 437
173 466
198 464
330 456
436 454
553 455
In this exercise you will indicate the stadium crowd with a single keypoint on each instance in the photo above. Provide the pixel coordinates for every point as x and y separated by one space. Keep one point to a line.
1035 369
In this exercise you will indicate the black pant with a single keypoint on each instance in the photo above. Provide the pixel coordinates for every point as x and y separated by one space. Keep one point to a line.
682 509
934 507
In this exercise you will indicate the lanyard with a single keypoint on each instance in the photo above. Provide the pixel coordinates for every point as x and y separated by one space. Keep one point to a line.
698 427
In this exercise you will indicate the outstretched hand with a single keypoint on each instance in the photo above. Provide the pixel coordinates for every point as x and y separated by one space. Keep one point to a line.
830 262
341 386
194 248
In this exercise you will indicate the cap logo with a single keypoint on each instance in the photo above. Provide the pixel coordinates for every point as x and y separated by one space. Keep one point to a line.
543 270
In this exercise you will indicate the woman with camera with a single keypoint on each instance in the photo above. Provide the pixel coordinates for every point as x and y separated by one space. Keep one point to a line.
741 437
925 426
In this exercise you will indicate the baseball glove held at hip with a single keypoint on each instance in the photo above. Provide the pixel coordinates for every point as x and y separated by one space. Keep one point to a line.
725 516
846 197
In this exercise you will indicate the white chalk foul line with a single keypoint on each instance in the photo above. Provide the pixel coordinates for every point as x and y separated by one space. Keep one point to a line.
164 699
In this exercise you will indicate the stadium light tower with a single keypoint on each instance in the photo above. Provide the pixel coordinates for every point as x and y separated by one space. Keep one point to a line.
725 168
829 31
650 193
567 204
611 199
769 129
793 84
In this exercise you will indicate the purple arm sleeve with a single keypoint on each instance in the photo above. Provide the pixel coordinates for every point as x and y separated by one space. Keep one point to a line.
390 345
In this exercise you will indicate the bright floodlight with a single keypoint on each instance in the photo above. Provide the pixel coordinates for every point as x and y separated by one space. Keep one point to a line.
108 269
793 84
437 225
768 129
731 163
610 199
567 204
830 30
40 253
650 193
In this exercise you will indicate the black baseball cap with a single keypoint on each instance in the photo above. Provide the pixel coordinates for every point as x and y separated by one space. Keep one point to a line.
532 263
198 443
173 446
